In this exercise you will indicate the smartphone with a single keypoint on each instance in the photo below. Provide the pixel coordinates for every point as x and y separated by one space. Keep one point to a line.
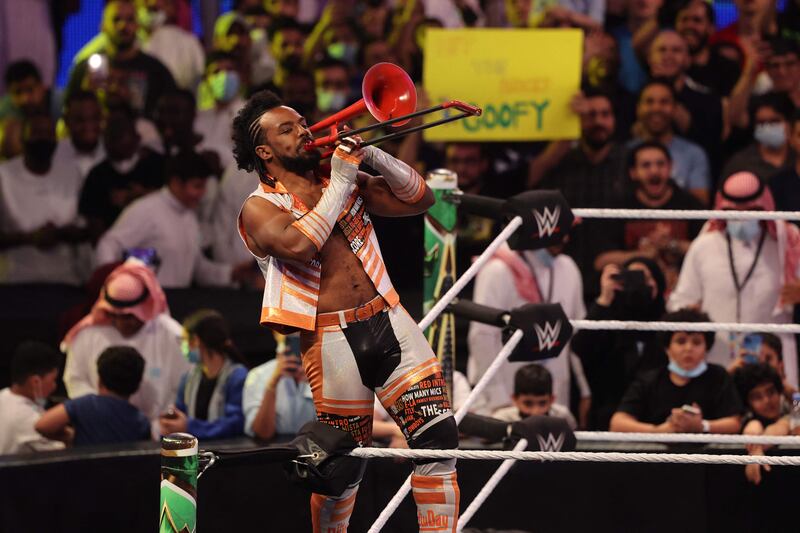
169 413
148 256
691 409
751 348
630 279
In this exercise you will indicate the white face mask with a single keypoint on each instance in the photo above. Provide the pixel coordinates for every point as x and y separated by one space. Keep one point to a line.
772 134
38 398
126 165
743 230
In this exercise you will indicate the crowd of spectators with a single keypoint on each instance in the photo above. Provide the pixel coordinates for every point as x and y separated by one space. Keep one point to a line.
133 161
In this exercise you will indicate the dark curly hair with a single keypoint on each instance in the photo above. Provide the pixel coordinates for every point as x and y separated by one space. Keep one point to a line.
748 377
687 315
247 134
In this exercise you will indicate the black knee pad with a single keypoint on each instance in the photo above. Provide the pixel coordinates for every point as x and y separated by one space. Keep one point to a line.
443 435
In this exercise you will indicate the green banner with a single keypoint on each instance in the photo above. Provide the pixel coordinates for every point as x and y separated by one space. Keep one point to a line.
439 271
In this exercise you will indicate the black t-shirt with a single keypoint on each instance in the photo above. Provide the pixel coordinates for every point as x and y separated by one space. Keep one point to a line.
146 80
785 188
653 395
720 74
705 107
204 392
107 192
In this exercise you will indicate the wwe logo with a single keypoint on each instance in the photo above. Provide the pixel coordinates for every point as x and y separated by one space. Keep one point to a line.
547 221
551 443
548 335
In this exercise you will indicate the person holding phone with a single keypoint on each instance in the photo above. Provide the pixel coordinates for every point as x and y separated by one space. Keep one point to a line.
686 396
612 359
277 397
209 401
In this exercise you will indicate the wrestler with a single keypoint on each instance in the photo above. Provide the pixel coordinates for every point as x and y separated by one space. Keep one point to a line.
312 237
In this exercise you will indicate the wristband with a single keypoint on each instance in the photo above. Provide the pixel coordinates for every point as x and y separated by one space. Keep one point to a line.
706 426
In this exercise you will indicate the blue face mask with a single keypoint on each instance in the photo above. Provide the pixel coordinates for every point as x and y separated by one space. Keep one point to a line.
688 374
772 134
743 230
191 354
544 257
224 85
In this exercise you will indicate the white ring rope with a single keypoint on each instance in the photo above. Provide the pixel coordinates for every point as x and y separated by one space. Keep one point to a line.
499 359
685 326
683 214
580 457
489 487
696 438
471 272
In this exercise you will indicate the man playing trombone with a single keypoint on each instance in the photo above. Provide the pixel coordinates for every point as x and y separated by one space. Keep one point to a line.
314 242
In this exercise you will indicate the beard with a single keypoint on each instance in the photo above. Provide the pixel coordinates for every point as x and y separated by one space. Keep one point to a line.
304 161
597 138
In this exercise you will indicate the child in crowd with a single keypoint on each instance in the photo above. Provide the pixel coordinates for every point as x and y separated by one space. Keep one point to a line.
533 395
107 417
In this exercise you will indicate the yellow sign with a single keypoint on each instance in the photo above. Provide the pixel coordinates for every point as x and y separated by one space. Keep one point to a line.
522 79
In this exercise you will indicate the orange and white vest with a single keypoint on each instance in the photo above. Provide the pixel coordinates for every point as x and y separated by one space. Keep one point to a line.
291 290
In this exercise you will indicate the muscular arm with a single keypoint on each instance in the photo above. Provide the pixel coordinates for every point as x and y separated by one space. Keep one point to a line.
381 201
269 231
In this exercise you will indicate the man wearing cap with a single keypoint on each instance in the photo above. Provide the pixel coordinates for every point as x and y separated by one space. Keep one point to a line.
736 270
131 311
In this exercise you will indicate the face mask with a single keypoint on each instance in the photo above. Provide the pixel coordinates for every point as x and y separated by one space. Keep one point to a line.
125 166
346 52
688 374
191 354
331 100
38 398
771 135
544 257
224 85
743 230
40 151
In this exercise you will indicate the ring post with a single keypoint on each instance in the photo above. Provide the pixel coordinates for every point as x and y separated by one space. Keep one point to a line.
439 271
179 466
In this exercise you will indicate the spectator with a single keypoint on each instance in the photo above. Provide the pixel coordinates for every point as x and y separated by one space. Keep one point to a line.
761 389
288 42
332 85
222 82
144 76
27 96
695 23
299 92
174 118
613 359
34 369
783 69
106 417
131 311
165 221
687 396
592 174
769 153
277 396
698 112
632 75
736 270
511 279
232 36
666 241
655 114
209 401
783 184
764 348
755 21
176 48
533 395
124 175
39 212
83 117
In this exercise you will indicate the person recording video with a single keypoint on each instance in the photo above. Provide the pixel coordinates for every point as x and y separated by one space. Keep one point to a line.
612 359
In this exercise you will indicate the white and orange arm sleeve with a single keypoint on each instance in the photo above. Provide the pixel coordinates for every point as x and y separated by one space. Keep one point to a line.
405 182
318 223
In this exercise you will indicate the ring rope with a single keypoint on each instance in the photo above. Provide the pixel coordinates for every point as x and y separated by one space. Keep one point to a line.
685 214
499 359
489 487
685 326
580 457
697 438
